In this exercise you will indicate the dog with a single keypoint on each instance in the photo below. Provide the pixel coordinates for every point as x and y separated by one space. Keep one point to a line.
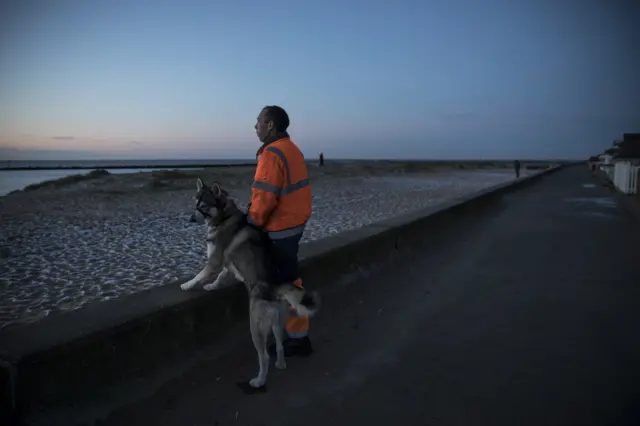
240 252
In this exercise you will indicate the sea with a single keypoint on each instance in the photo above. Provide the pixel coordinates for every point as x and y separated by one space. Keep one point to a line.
16 175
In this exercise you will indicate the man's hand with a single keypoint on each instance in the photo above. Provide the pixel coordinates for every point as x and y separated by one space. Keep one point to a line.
249 221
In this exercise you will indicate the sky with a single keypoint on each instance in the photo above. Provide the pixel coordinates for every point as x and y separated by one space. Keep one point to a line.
360 79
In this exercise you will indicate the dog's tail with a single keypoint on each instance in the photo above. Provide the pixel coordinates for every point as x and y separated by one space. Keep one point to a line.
306 304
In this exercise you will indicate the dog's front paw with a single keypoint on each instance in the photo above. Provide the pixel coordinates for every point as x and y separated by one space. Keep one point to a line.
281 364
186 286
209 287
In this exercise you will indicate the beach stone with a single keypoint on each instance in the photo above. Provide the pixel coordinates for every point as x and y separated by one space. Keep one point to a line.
5 252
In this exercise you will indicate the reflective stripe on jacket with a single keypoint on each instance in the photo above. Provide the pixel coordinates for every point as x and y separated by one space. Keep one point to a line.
280 193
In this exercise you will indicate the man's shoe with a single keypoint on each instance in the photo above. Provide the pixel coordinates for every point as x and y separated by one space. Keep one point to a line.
293 347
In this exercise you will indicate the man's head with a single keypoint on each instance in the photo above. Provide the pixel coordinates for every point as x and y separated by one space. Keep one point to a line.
271 121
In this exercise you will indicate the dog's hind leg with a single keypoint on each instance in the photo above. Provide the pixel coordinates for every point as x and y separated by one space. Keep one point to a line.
259 336
278 334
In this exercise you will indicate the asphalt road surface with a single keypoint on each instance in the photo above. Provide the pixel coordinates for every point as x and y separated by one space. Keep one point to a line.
526 314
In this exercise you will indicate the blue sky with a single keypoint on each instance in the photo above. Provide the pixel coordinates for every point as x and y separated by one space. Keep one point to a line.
385 79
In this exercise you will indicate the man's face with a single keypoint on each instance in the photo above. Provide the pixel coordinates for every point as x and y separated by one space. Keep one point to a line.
263 126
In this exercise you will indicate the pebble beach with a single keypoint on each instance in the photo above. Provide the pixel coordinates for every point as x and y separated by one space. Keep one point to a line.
90 240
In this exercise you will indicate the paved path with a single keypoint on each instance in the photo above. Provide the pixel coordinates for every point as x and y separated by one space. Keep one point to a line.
528 314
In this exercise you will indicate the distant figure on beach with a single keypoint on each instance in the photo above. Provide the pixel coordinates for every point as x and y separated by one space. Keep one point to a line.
321 159
281 206
516 166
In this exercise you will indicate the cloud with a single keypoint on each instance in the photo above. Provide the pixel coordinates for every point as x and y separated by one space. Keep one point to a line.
63 138
138 143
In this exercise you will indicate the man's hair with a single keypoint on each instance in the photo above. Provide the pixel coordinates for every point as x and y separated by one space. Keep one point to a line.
279 117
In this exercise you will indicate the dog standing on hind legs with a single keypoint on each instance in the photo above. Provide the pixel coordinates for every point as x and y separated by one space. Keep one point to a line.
235 249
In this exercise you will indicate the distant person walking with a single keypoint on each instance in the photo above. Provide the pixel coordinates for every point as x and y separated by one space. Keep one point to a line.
516 166
281 206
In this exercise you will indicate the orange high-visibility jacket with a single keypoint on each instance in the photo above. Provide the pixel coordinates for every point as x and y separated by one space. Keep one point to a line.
280 194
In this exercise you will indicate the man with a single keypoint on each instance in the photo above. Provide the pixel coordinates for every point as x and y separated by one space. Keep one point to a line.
516 166
281 205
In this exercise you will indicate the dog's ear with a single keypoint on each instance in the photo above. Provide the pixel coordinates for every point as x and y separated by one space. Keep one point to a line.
217 189
199 184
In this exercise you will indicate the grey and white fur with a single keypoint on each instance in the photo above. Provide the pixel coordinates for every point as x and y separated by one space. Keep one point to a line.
237 251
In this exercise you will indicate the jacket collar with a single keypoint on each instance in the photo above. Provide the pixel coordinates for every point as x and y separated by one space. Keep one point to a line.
272 139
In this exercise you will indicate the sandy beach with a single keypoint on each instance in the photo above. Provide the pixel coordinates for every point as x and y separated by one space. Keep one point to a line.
84 240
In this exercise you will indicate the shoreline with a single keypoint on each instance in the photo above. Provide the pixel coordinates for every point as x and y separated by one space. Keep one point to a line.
18 179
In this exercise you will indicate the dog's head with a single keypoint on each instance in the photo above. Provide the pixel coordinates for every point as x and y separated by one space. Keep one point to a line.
213 203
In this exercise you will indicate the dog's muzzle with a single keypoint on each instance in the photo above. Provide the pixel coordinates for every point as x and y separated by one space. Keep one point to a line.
204 213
